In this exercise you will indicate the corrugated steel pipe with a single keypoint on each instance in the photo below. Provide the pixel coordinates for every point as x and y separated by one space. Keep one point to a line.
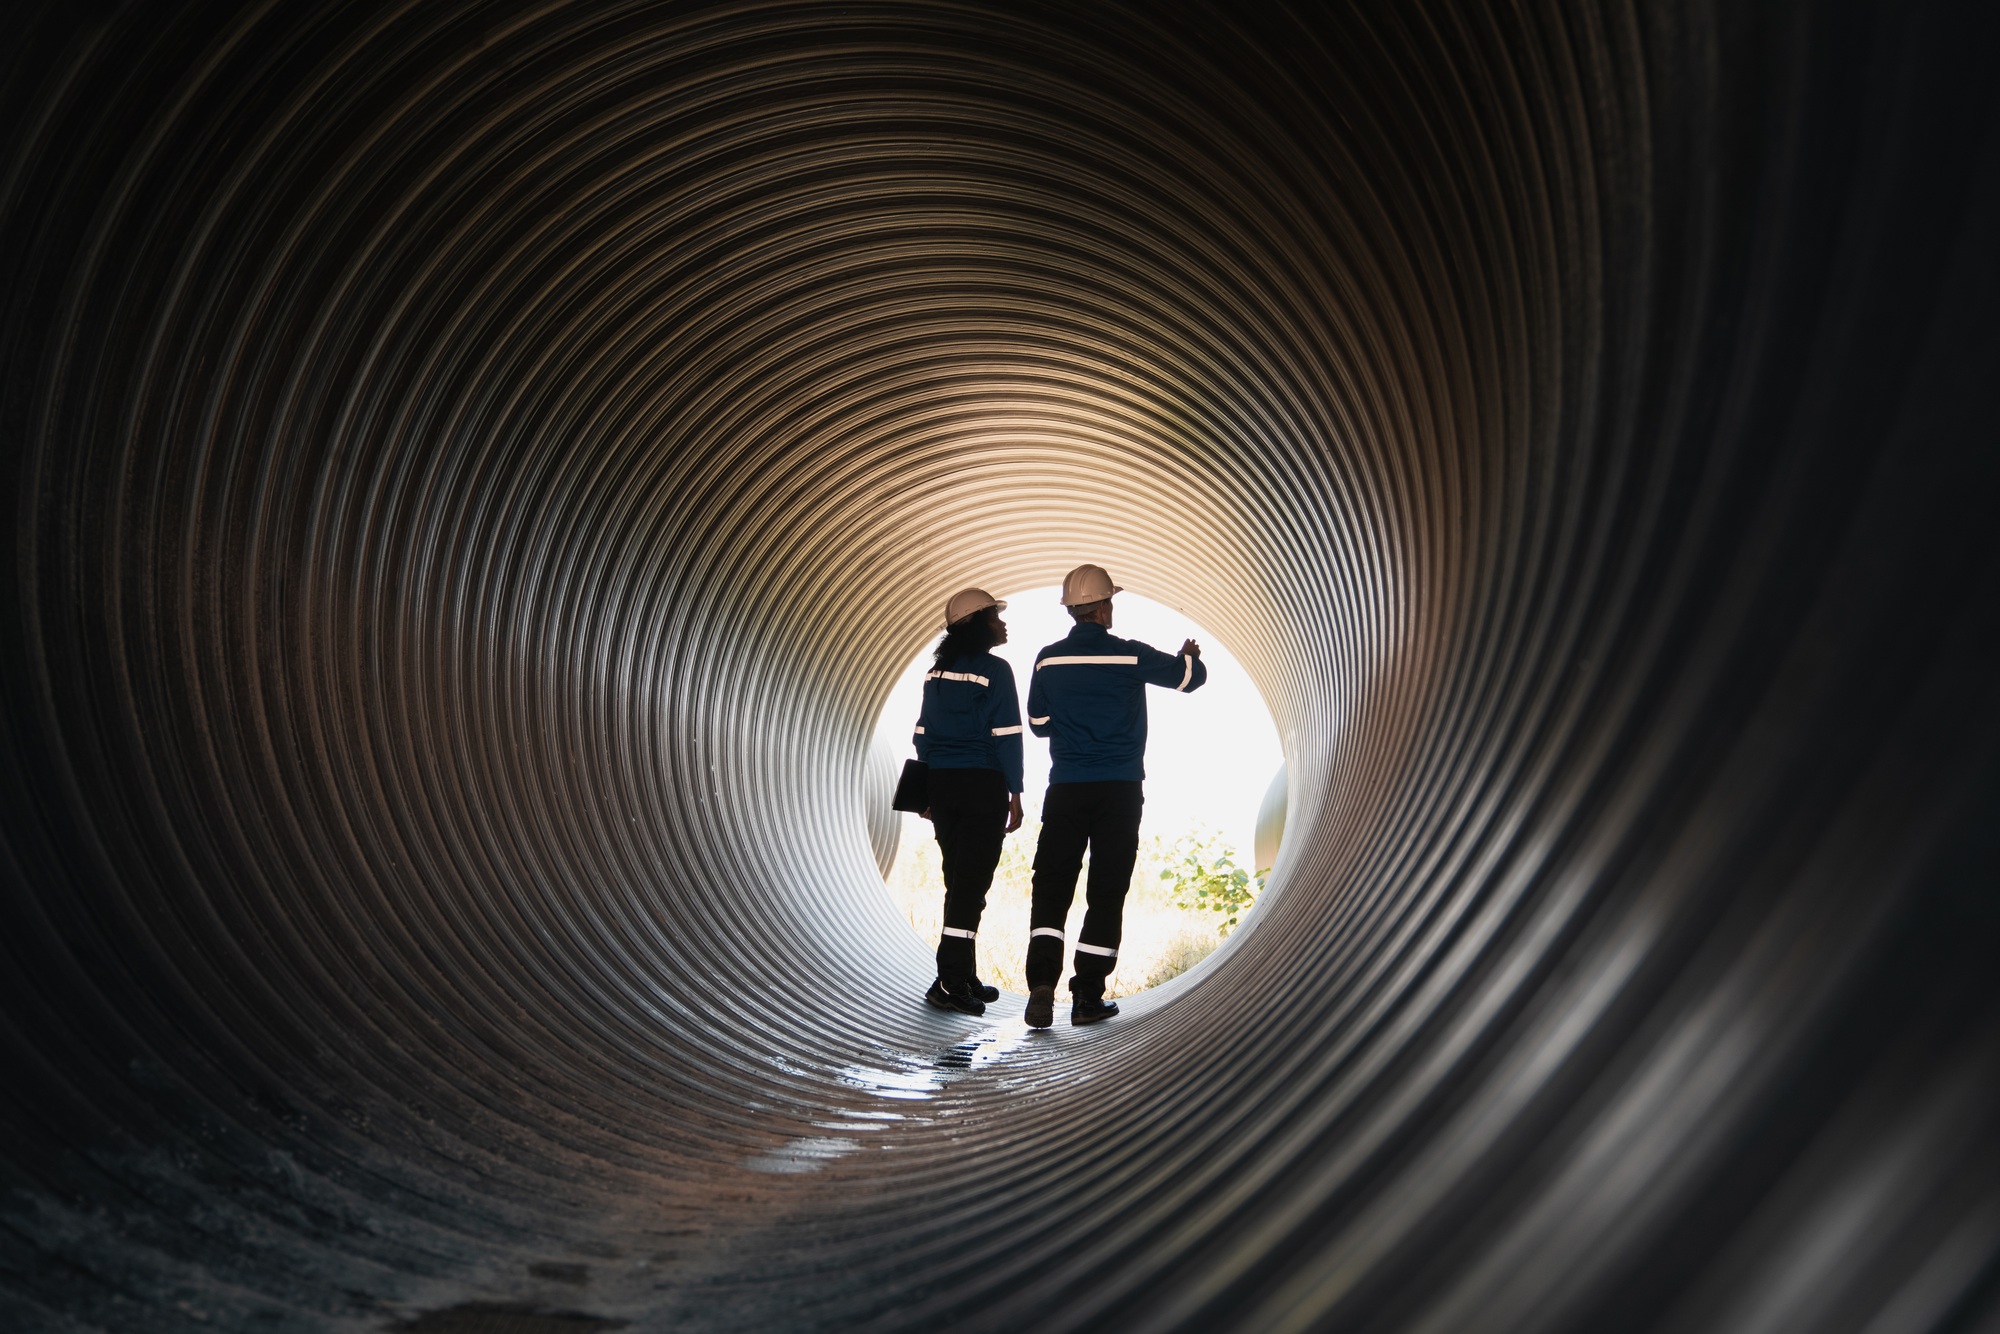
475 470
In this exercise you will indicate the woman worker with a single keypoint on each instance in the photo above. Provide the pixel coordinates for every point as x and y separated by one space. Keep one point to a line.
969 733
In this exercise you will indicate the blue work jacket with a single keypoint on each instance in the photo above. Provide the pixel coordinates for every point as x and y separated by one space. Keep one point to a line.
1088 697
971 718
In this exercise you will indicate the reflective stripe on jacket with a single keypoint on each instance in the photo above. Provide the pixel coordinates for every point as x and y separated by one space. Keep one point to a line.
1088 697
971 718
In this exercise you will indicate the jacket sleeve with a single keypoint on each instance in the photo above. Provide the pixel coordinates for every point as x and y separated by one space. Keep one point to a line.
1038 704
1175 671
920 737
1003 716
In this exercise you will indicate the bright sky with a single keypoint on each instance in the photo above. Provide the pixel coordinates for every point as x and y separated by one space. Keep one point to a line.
1210 754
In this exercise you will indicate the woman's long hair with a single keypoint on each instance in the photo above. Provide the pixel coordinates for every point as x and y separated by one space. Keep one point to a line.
965 636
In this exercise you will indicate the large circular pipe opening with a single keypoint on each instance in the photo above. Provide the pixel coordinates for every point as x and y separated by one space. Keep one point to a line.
475 469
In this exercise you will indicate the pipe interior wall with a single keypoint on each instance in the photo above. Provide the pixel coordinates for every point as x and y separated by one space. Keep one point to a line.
475 469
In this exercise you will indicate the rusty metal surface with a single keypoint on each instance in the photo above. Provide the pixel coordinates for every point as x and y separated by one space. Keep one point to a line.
474 469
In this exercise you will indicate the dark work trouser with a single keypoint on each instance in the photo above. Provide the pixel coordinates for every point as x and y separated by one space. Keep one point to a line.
1103 817
969 813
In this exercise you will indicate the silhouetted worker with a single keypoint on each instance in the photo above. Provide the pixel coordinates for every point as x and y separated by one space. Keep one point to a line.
969 733
1088 697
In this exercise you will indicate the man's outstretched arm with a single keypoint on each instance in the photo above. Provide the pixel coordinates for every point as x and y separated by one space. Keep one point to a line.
1176 671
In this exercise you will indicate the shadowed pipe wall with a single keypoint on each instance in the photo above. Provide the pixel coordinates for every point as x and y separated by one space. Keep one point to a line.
473 469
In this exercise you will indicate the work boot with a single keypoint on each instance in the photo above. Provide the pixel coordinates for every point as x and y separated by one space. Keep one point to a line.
981 991
1041 1010
962 1001
1091 1011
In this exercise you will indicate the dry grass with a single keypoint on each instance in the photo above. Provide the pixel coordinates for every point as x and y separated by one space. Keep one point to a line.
1183 952
1161 940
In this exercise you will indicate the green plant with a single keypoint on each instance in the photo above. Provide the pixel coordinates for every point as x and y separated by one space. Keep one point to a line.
1205 878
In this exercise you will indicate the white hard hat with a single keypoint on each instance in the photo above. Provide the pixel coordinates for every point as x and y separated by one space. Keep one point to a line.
967 601
1087 583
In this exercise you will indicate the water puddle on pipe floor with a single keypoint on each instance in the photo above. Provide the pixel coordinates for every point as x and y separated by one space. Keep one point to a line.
867 1120
909 1084
808 1153
989 1047
900 1079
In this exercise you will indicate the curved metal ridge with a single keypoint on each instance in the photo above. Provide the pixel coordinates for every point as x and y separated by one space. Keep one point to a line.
477 468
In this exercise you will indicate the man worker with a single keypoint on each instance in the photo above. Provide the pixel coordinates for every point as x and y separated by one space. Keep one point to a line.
1088 697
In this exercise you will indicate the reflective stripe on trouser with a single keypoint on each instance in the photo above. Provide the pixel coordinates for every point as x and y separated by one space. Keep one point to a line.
969 814
1104 819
